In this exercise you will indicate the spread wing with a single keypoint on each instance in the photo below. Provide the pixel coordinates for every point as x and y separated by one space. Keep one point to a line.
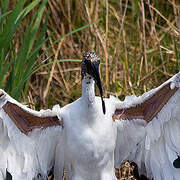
28 139
148 131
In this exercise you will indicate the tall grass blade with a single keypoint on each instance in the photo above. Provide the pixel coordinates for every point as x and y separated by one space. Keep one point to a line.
23 59
10 27
68 34
176 55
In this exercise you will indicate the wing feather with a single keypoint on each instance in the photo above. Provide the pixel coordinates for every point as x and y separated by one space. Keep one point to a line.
28 139
26 121
155 143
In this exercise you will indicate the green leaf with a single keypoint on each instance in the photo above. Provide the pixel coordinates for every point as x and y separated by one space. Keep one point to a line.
22 59
10 27
26 10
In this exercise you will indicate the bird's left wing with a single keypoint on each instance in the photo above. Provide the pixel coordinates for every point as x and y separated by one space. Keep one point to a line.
28 139
148 130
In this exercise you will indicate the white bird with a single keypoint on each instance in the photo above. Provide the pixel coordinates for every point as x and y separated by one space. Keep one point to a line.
90 136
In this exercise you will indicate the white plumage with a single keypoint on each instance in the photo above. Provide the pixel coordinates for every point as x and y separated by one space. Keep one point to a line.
26 157
157 144
94 137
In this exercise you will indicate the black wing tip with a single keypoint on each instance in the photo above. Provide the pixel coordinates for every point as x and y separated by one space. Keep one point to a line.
176 163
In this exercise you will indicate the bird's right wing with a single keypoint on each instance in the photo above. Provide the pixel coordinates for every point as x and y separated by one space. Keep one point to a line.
148 130
28 139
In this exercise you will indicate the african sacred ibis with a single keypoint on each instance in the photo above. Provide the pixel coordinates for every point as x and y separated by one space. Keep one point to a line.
92 135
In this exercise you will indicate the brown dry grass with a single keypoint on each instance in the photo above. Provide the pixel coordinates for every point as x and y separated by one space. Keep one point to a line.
138 43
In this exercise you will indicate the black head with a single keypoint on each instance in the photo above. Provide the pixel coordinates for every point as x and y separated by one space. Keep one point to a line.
90 58
90 66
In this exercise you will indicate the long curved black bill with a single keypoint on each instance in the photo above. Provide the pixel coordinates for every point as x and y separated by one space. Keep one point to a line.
95 73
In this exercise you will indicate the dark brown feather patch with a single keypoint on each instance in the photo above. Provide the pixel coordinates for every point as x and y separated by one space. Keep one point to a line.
148 109
25 121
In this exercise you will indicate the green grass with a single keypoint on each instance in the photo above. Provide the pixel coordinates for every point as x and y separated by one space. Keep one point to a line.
15 62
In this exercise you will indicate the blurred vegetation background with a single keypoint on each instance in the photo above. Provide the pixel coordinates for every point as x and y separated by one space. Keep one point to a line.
42 42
